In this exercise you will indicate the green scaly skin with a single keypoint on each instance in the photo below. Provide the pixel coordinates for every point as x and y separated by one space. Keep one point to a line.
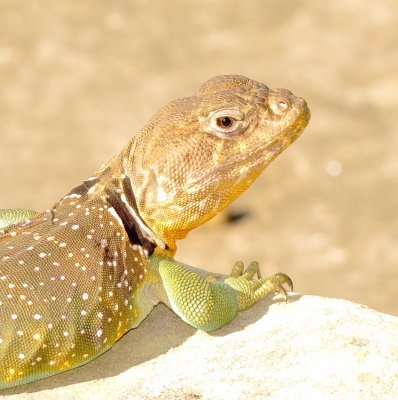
14 215
77 277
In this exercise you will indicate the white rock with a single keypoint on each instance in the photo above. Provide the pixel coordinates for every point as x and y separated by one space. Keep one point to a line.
310 348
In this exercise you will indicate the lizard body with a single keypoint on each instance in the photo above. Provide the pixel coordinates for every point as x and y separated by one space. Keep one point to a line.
75 278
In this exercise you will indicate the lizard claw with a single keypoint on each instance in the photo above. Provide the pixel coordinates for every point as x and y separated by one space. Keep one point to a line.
251 290
283 279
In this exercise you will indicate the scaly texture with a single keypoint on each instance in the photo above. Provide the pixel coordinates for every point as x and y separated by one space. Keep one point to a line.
12 216
76 277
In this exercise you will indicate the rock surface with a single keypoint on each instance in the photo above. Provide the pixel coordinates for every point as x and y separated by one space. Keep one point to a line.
312 347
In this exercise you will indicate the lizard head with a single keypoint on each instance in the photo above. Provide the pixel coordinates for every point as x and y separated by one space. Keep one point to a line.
199 153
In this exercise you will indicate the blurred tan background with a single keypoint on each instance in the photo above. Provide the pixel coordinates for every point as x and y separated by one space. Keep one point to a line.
79 78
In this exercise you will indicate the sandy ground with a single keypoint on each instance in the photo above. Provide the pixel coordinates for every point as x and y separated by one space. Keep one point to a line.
79 78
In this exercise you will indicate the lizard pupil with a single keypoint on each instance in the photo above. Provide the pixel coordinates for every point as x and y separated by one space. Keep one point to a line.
225 122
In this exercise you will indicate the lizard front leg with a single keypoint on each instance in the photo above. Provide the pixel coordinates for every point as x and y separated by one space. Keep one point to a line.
209 305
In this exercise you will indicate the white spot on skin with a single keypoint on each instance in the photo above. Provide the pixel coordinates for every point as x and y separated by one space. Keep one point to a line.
73 196
85 296
161 194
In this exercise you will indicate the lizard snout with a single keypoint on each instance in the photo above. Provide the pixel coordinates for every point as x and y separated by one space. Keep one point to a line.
281 101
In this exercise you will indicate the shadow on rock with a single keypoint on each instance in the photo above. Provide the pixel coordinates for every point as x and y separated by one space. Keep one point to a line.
253 314
157 334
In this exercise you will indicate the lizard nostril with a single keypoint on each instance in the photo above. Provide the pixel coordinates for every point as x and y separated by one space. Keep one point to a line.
283 105
279 104
281 100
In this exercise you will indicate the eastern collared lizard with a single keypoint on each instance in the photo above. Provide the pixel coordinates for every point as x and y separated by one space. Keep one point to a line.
75 278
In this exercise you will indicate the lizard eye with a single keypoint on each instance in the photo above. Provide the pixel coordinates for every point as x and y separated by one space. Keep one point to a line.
226 123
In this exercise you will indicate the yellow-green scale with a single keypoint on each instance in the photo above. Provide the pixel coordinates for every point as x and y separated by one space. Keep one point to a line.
67 284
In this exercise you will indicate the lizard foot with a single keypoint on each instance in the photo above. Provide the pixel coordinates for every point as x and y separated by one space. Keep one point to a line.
250 290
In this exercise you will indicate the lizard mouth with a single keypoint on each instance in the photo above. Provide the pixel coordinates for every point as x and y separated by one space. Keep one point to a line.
266 152
258 156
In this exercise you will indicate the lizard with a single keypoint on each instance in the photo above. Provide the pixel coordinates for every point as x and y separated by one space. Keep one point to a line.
75 278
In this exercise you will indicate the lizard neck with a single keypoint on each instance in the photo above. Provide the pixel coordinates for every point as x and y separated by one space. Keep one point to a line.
111 185
141 190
